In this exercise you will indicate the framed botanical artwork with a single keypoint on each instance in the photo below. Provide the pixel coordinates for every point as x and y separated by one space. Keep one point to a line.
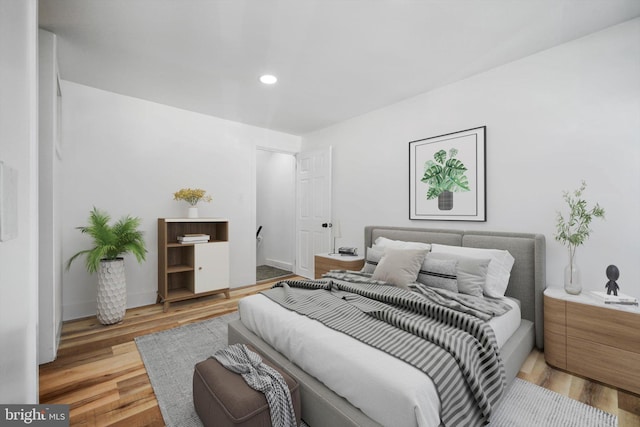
447 177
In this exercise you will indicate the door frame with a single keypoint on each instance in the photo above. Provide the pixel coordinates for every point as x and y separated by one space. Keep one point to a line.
293 226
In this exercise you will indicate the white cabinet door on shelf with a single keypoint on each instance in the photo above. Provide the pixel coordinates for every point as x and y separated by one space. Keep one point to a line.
211 262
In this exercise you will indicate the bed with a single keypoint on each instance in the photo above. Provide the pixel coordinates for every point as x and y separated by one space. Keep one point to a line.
322 406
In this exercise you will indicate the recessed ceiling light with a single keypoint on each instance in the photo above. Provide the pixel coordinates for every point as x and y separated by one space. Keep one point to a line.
268 79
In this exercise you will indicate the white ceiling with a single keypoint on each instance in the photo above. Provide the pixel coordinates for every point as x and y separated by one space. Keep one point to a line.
335 59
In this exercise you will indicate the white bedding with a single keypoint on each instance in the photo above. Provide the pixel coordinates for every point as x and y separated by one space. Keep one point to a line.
396 395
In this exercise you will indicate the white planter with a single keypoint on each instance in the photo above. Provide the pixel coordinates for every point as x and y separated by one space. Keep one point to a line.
112 291
193 212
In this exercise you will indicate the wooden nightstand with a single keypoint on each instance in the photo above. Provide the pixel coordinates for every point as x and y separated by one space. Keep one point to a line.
326 262
592 339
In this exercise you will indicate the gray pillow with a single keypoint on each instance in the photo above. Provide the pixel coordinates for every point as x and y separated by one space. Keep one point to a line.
471 273
373 257
399 267
439 273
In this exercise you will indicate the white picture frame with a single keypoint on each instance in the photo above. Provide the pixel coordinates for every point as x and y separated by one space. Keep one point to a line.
447 177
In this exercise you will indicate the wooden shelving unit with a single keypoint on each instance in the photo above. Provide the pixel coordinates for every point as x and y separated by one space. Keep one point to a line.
192 270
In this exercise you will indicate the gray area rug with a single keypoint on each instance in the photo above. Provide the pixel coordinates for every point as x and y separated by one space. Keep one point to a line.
527 405
169 357
266 272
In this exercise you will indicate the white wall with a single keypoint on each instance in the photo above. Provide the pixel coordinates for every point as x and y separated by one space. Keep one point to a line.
276 193
128 156
18 149
565 114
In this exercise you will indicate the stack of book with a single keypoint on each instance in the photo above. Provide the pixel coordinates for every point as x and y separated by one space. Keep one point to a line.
614 299
194 238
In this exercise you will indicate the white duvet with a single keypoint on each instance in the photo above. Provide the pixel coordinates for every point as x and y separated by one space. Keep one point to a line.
388 390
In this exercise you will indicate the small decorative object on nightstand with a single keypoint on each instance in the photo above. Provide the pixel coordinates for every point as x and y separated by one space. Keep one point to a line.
336 231
612 274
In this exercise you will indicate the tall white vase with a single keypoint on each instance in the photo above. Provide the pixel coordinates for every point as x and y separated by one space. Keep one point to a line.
112 291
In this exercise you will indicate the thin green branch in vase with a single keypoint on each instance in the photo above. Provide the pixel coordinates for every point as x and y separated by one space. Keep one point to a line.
574 229
445 174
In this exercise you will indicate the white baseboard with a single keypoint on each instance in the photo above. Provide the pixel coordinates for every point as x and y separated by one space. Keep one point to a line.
279 264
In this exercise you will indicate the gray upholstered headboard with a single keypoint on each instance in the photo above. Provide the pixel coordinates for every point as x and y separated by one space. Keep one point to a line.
528 276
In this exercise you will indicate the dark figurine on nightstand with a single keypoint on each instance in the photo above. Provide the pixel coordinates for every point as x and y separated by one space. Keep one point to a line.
612 274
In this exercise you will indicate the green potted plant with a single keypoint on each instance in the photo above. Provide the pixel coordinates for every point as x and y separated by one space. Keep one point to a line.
444 177
573 231
110 243
192 196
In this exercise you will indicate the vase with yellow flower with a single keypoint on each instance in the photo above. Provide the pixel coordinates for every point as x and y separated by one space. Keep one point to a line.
192 196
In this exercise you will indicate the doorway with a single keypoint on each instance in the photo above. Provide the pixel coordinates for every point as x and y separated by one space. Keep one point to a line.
275 214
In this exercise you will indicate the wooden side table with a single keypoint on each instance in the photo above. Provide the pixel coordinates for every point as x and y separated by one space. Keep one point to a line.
593 339
325 262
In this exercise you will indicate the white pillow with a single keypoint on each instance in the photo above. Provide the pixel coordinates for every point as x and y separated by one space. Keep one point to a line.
383 242
471 273
499 269
440 273
399 267
373 258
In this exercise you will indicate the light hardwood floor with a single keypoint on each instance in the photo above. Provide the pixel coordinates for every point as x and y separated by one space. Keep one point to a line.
100 374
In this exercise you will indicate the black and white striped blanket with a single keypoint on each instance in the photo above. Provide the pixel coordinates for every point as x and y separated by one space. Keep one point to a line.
482 308
457 350
263 378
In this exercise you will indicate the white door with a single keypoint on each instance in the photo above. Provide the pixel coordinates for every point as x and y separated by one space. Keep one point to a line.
211 264
313 208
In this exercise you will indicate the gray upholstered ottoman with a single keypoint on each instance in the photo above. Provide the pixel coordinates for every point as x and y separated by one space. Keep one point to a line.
223 399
